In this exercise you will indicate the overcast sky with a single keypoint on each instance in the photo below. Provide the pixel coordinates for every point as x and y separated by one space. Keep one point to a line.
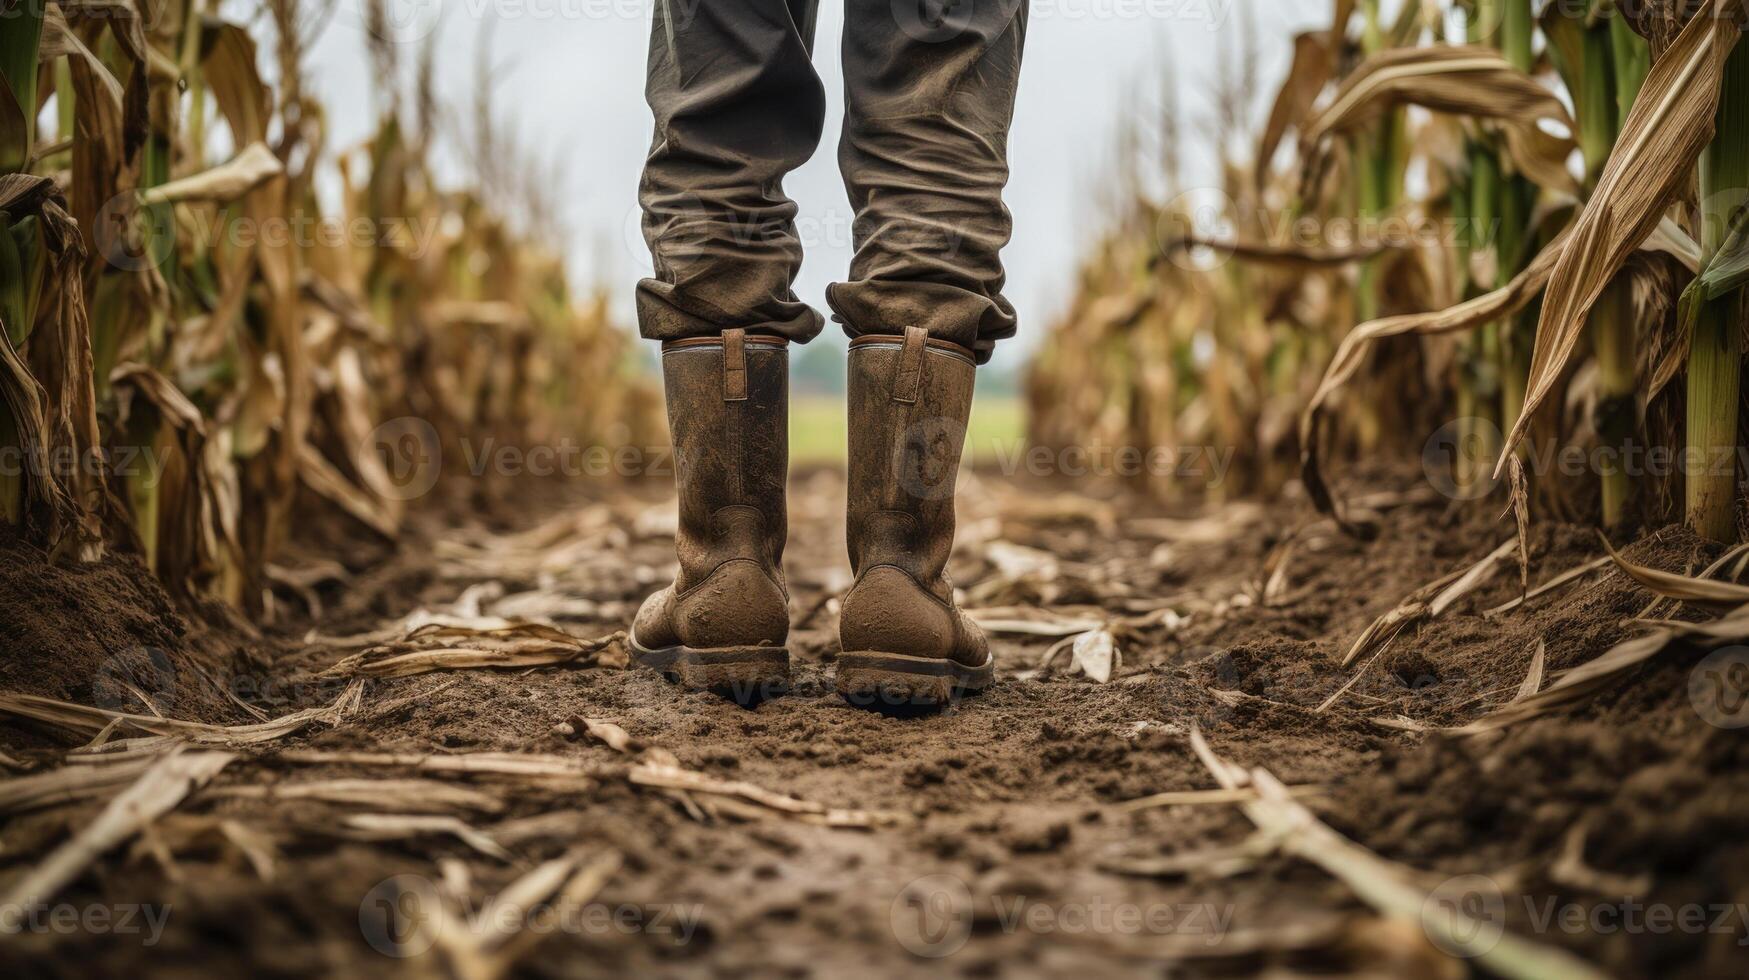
571 76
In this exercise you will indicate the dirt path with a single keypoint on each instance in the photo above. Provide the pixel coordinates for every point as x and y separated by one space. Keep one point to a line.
987 839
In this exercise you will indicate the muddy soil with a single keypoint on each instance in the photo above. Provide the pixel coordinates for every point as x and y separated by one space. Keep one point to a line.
1002 848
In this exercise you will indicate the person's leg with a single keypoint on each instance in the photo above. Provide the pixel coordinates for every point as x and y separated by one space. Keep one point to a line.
929 91
925 158
737 106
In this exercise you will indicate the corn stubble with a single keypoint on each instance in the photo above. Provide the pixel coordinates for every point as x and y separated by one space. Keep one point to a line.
203 325
1585 166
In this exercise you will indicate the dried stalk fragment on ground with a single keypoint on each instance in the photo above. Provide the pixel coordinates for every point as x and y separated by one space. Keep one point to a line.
488 945
1427 602
157 791
1386 886
167 732
67 784
658 767
1585 679
439 647
411 795
533 766
397 826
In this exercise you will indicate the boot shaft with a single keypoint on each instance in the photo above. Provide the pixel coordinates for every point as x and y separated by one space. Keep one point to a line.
728 418
910 399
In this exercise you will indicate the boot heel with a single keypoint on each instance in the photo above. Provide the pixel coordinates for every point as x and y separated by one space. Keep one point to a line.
872 679
745 673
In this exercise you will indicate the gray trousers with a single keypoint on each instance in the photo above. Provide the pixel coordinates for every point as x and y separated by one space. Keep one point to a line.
929 95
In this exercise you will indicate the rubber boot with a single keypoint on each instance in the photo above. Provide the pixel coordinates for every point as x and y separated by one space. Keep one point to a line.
904 641
724 622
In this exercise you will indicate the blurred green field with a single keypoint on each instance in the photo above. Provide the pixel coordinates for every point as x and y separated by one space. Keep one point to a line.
818 427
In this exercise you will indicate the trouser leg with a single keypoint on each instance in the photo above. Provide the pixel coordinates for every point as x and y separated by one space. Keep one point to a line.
929 96
737 106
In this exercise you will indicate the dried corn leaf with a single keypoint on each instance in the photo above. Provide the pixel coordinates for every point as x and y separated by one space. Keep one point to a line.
1303 258
222 184
1589 677
1533 679
1472 81
1314 62
327 481
1427 602
1669 125
1707 591
1351 354
1095 654
1549 586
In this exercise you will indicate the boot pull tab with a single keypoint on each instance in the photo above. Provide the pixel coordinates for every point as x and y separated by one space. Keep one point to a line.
909 377
734 365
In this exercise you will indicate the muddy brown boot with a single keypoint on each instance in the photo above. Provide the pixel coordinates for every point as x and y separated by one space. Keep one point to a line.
723 624
904 640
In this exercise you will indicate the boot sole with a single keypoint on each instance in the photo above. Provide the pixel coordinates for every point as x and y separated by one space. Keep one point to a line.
746 673
871 679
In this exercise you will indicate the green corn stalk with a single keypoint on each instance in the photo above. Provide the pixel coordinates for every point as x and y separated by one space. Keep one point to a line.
1612 320
1479 354
1517 201
1715 353
1603 65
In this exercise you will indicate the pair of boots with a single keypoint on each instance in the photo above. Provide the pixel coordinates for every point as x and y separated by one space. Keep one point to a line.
724 622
